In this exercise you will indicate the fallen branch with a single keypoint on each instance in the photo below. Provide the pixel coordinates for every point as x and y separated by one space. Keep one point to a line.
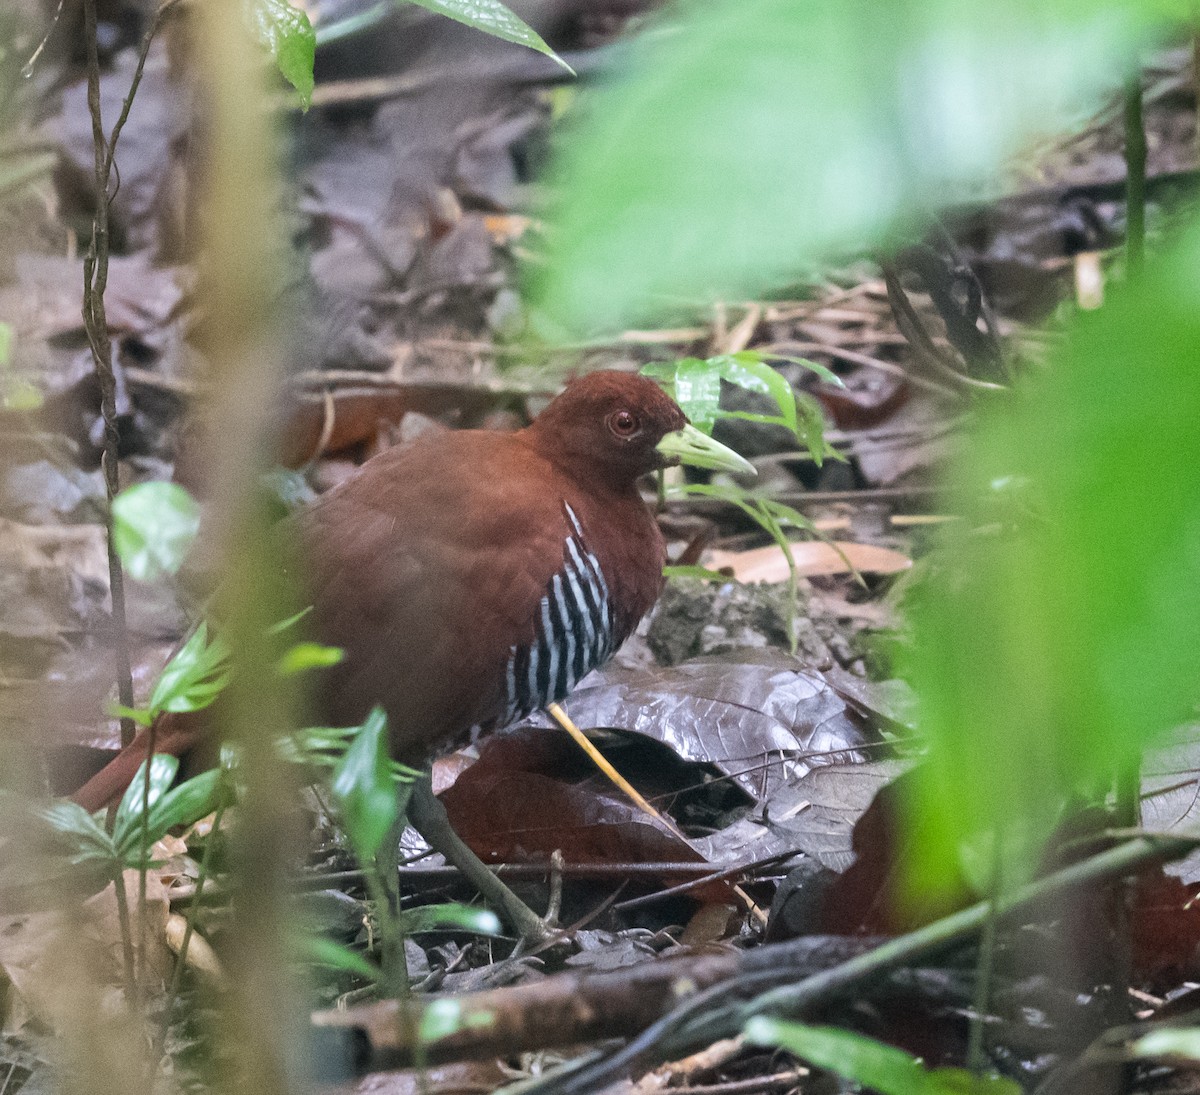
571 1007
711 1016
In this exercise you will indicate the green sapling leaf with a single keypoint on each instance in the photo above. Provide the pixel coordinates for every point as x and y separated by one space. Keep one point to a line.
154 525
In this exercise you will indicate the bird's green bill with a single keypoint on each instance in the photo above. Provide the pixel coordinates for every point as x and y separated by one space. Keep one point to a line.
690 446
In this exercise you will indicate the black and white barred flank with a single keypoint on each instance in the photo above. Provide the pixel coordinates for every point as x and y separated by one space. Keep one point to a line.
575 631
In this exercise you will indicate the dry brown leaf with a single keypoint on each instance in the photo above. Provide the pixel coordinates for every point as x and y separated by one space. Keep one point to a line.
200 956
41 952
813 557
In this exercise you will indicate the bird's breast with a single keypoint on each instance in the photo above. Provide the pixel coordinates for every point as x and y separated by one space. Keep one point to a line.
576 630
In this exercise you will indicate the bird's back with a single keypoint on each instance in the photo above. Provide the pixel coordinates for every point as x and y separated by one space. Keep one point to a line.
468 581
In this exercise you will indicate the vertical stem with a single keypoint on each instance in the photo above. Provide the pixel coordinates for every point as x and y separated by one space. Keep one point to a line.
144 860
1135 168
131 982
985 964
95 274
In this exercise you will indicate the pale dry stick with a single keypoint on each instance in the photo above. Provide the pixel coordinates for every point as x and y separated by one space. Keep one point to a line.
789 313
742 332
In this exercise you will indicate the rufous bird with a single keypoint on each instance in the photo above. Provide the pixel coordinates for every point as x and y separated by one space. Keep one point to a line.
472 577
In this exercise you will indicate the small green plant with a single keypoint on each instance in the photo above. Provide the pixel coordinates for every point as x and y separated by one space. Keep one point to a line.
139 821
370 791
193 678
695 385
291 40
76 848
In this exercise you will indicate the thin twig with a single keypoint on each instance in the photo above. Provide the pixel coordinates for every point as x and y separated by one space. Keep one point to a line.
95 273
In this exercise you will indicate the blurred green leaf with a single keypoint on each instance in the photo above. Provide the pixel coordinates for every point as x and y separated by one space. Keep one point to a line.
1180 1043
492 17
286 33
327 952
445 1016
290 622
1053 645
363 787
749 138
461 917
869 1063
305 656
69 819
19 395
154 524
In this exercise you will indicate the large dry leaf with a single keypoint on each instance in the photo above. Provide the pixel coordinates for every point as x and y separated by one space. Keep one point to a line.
44 953
760 717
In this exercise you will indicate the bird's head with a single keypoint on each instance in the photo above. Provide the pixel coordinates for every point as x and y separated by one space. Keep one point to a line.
621 425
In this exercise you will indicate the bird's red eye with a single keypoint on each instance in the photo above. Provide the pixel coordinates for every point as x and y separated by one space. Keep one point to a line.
623 423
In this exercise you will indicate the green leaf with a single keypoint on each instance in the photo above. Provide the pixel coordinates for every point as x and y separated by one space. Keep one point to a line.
143 716
492 17
445 1017
1058 643
812 429
1180 1043
461 917
290 622
824 373
286 33
182 805
154 524
679 182
189 802
129 813
695 385
748 370
69 819
869 1063
304 656
327 952
6 342
363 787
194 677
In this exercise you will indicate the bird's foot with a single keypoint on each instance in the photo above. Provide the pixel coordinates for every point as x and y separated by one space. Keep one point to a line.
428 816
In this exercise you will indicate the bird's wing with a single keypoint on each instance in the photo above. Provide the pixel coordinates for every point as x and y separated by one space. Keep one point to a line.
426 569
